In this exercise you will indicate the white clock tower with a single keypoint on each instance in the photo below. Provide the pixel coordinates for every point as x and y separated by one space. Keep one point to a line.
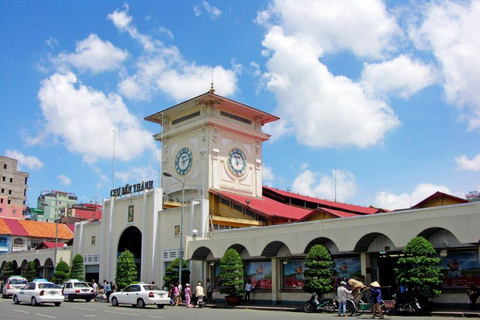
211 142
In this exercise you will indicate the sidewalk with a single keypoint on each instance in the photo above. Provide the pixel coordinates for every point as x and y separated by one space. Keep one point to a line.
436 312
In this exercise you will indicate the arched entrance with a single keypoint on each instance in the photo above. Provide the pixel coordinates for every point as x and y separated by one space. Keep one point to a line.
131 240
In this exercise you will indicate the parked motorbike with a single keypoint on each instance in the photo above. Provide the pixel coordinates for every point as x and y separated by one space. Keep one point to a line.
313 304
409 307
200 302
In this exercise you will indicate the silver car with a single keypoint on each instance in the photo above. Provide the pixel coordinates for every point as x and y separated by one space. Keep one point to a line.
13 285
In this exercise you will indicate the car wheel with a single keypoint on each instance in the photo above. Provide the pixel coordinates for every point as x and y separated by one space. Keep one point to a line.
114 302
140 303
88 300
70 298
160 306
15 300
57 304
34 301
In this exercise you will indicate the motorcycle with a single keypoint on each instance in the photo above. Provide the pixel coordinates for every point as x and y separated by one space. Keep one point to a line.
313 304
200 302
409 307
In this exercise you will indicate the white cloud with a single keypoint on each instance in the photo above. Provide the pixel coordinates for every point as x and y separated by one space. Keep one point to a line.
92 54
464 163
212 11
137 174
363 27
31 162
321 109
391 201
450 30
162 68
83 119
402 76
66 181
267 174
322 186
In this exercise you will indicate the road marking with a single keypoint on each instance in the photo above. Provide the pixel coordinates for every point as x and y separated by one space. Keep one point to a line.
90 315
83 308
44 315
155 317
128 314
21 311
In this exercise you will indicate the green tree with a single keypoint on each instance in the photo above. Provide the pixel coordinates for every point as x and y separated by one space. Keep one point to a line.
319 270
230 278
61 273
10 270
77 271
31 271
126 270
419 269
171 273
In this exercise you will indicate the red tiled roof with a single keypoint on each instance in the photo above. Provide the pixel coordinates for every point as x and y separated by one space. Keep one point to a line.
46 229
439 194
51 244
264 206
16 228
337 213
71 227
325 203
4 229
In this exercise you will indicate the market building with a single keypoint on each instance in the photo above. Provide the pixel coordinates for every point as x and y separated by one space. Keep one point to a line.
212 198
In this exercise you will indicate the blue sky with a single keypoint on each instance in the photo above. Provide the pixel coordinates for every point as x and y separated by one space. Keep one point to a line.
384 95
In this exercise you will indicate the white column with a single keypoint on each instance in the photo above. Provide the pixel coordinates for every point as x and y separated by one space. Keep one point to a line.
275 281
143 261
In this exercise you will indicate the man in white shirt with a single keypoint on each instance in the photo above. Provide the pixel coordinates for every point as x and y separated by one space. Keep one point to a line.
342 293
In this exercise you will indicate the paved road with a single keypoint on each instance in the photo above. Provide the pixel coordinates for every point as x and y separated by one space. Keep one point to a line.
80 310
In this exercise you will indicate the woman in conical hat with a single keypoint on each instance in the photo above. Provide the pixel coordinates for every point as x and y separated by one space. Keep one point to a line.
376 299
375 284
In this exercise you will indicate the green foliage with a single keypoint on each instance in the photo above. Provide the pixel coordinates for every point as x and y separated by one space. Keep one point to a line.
62 273
171 273
230 278
10 270
319 270
126 270
419 270
77 271
31 271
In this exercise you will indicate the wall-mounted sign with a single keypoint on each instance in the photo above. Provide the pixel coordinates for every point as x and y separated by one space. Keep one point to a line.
131 188
473 196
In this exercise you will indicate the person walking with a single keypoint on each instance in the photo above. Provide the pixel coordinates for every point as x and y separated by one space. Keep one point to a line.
188 295
210 292
108 290
176 294
248 290
342 293
376 299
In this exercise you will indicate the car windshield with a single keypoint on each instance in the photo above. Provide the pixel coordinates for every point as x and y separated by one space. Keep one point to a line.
150 287
80 285
18 281
47 286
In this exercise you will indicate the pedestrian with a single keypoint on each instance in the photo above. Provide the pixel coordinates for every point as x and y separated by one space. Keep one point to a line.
188 295
176 294
95 286
210 291
112 285
199 293
248 290
376 299
342 293
108 290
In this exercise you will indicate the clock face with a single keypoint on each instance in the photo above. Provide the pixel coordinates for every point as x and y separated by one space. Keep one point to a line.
183 161
237 161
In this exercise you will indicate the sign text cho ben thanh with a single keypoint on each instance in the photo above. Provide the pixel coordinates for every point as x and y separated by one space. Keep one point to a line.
131 188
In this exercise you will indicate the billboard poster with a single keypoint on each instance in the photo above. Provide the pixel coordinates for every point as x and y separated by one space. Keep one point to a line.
293 275
348 268
260 274
460 269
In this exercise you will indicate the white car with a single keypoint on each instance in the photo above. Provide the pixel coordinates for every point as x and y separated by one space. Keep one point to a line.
139 295
13 285
76 289
39 292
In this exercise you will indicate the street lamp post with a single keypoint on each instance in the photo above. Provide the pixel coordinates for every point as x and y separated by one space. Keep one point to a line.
166 174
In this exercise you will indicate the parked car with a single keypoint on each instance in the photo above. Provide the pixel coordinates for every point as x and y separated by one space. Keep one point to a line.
13 285
39 292
139 295
76 289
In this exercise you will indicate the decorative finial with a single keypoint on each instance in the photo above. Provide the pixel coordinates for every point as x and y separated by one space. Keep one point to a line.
212 90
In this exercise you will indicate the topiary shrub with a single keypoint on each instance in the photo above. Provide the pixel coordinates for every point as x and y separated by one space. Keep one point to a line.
319 270
126 270
78 270
230 277
31 271
171 273
62 273
419 270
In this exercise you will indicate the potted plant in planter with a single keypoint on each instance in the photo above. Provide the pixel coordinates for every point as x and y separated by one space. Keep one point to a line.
230 278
